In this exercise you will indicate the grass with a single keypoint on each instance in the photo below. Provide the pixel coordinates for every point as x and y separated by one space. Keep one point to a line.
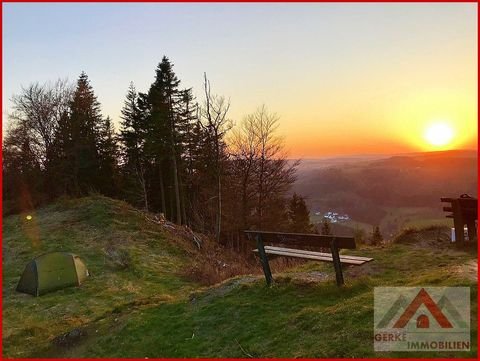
85 227
404 217
421 223
295 318
150 310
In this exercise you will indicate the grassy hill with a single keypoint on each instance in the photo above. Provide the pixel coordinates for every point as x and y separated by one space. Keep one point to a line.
153 306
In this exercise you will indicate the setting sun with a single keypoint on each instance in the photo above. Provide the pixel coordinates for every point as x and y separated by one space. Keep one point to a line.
439 134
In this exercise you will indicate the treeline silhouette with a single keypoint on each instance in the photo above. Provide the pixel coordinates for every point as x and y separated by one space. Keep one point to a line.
172 155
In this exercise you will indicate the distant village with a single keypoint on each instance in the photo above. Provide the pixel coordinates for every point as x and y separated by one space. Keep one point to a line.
334 217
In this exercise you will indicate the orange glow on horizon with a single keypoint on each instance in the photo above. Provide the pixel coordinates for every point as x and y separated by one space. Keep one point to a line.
419 121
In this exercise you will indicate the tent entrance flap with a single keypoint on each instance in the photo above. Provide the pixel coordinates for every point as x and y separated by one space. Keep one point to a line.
28 281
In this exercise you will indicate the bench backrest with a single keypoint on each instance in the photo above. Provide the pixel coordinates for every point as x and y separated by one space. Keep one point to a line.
301 239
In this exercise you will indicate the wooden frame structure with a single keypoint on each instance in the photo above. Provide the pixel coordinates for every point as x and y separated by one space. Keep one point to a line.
464 211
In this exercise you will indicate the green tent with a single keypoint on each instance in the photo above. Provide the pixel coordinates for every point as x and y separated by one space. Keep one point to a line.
51 272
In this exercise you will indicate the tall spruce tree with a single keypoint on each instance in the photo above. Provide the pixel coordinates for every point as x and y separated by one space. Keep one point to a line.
81 135
133 132
190 139
62 157
108 158
163 97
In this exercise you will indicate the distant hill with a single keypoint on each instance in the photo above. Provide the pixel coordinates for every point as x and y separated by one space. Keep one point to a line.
310 164
368 189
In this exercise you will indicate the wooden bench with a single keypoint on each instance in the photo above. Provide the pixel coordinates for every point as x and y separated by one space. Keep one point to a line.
333 243
464 212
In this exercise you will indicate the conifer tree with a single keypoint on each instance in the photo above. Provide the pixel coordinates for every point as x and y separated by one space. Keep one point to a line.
62 157
298 215
377 237
133 132
326 227
108 156
163 97
190 139
83 134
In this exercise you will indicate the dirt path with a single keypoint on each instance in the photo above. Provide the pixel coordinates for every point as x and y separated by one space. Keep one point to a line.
222 289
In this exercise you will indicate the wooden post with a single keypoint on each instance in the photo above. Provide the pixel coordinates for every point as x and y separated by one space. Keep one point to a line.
472 230
336 262
264 259
458 221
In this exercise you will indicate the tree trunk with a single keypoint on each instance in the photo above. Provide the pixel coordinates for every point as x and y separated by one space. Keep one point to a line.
162 189
184 206
176 186
141 178
219 188
219 207
260 195
245 179
171 205
174 164
145 196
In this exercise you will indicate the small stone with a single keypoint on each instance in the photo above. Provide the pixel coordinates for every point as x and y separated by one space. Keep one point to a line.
69 338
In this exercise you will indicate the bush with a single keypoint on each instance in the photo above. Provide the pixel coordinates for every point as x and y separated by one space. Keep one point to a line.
215 263
377 237
427 235
118 258
359 235
326 229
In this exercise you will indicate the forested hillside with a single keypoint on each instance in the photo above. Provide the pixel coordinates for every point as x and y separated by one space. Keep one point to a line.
391 191
171 154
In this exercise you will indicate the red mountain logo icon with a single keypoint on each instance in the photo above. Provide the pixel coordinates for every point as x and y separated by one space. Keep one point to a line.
423 298
422 321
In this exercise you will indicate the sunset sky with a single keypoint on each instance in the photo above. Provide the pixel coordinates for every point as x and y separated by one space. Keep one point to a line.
344 78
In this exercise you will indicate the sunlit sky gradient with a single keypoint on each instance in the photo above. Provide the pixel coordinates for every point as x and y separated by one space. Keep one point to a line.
344 78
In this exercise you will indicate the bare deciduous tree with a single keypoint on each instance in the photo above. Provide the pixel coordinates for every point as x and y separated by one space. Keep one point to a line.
213 119
39 108
262 165
244 148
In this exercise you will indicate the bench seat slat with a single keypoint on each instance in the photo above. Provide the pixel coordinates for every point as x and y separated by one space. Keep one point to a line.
317 257
300 251
312 257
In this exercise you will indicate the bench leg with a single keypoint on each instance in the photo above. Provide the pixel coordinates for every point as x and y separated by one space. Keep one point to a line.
264 260
336 263
458 222
472 230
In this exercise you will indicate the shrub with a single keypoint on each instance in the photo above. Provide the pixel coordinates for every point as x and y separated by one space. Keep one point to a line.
118 258
359 235
377 237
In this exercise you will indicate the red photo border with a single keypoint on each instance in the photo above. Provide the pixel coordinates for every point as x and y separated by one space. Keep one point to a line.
227 1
